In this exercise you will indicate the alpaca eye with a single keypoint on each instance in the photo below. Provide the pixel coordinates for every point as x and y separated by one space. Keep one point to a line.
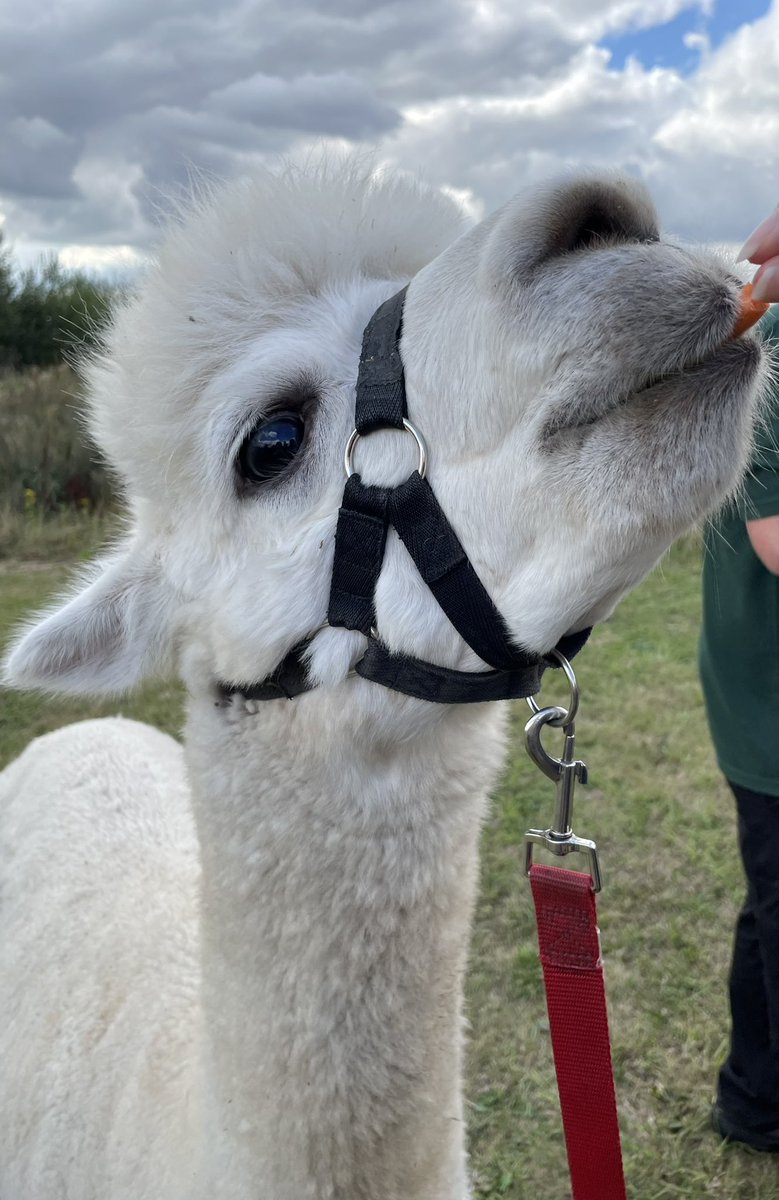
270 448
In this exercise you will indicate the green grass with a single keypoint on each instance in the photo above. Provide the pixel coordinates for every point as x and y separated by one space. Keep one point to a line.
65 535
665 826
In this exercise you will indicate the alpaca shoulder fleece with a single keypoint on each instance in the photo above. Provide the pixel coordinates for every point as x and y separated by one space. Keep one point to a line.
98 965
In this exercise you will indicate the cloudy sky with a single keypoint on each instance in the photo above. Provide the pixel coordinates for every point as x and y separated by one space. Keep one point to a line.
107 105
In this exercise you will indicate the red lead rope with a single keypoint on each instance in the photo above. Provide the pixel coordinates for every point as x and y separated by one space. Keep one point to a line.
569 945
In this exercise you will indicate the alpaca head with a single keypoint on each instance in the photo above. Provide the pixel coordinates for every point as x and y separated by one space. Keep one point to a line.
571 371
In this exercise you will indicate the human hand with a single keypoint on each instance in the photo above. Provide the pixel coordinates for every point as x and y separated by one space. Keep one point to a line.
762 247
764 536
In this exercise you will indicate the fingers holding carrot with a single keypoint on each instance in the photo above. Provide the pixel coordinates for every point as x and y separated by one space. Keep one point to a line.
762 247
751 311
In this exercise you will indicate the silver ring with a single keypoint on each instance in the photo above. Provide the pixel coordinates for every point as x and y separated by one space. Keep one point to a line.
573 699
354 438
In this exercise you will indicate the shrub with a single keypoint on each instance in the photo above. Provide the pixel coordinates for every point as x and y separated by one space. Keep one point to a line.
47 312
46 462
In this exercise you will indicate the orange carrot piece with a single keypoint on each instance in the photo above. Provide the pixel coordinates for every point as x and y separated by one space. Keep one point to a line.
751 311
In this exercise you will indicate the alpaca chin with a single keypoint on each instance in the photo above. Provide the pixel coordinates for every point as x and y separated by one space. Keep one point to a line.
332 656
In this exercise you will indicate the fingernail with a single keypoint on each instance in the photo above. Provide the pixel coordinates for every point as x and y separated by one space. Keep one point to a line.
749 247
765 285
752 244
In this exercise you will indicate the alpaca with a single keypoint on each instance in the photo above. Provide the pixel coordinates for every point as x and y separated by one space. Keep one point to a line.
234 969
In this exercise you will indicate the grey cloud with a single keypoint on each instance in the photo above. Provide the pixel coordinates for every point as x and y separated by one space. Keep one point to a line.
169 85
53 221
39 159
415 51
329 104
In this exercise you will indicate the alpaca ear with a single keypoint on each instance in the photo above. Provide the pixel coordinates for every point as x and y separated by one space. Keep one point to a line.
109 635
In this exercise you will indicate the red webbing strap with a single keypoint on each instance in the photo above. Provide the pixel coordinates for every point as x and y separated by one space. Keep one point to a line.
576 1001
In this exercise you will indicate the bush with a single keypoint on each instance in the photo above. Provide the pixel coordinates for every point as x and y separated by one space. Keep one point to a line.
52 481
48 468
47 313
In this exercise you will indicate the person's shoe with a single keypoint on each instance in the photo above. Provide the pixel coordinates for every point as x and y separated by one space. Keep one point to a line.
767 1142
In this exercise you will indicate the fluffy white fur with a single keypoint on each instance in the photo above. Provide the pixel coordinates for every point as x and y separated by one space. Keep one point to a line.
234 971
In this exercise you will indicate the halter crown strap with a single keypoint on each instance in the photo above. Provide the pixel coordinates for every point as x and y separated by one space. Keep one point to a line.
381 383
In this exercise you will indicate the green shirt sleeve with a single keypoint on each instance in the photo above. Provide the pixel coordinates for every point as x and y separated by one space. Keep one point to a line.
761 486
739 645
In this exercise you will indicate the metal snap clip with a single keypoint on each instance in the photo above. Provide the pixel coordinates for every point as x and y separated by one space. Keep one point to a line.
559 838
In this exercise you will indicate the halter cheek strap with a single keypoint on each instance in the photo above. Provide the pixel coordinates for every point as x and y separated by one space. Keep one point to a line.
412 510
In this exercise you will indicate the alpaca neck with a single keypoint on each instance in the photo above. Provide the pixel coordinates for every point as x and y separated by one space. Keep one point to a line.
339 874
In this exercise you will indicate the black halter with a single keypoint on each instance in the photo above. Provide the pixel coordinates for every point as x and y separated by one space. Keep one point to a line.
414 513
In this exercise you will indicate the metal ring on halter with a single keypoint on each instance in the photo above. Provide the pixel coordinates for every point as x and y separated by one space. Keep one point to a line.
354 438
573 699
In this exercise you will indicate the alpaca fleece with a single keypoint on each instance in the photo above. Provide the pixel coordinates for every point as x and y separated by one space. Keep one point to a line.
233 971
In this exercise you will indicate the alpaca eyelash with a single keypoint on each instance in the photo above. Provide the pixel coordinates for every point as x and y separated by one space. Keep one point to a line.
301 398
298 400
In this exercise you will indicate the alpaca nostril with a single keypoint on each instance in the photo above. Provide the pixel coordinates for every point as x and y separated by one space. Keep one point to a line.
591 213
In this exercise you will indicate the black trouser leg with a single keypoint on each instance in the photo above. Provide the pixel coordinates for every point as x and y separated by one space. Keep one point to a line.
749 1079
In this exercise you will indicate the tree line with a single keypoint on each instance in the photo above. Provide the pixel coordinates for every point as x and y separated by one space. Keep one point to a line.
47 312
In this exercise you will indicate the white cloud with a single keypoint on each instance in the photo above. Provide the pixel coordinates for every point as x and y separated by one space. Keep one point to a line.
480 96
590 116
593 20
707 144
733 105
718 153
106 259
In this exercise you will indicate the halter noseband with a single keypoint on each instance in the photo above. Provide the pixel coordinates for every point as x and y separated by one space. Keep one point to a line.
412 510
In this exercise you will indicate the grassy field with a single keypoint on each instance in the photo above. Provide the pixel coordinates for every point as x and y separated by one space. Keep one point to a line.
665 826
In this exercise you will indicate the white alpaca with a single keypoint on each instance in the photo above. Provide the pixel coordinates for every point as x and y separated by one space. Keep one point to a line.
235 971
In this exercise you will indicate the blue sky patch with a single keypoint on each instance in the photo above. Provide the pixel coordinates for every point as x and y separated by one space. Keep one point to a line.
663 45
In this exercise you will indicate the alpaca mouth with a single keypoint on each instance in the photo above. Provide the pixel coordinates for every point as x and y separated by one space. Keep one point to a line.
729 367
733 356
